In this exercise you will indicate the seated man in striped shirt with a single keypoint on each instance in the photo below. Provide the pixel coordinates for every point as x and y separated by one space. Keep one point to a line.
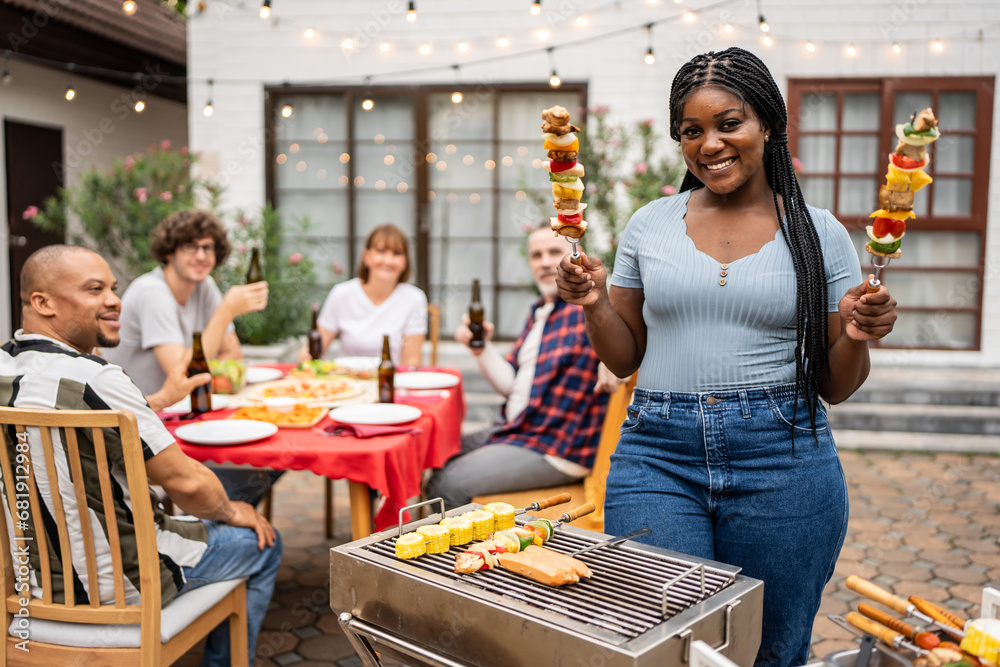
69 307
556 391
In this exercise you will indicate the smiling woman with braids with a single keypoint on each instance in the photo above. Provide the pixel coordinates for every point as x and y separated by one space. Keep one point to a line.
741 306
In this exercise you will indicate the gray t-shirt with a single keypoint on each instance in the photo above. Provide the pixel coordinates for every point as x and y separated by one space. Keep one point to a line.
150 317
710 327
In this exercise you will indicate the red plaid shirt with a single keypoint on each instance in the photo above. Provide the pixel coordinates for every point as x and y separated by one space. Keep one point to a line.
564 416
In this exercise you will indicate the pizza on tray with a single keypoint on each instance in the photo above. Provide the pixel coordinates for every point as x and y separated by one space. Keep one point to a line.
310 391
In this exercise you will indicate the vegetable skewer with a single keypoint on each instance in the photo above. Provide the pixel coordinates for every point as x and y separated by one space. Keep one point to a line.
564 174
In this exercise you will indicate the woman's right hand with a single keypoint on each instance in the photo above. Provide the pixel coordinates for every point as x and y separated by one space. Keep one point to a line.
582 285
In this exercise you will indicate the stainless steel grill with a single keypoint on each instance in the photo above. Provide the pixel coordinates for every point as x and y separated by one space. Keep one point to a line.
643 606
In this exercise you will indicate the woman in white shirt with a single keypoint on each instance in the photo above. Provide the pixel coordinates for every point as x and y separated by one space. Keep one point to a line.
379 301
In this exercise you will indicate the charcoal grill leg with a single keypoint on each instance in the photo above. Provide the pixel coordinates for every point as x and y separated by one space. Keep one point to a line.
361 647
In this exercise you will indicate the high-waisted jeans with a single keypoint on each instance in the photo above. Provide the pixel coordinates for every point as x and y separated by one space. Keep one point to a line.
715 475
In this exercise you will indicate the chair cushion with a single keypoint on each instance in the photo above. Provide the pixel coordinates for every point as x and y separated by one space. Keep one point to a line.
177 615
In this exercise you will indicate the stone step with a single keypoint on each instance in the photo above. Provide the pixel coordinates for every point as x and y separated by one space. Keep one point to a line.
919 395
937 419
915 442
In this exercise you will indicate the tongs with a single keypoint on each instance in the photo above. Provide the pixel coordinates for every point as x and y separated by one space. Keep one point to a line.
915 607
548 502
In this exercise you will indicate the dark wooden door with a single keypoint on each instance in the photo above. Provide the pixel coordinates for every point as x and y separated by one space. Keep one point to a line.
34 163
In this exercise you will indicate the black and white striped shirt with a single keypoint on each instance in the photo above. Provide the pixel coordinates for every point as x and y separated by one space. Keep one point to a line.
40 372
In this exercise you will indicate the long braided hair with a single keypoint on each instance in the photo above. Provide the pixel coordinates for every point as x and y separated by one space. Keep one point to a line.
746 76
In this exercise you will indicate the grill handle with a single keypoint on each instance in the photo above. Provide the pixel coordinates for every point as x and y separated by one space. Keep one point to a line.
359 632
406 509
727 634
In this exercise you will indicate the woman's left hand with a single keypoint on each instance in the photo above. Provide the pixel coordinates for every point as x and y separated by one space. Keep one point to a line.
867 316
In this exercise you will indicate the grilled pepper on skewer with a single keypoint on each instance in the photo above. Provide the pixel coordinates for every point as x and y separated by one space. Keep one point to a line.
565 176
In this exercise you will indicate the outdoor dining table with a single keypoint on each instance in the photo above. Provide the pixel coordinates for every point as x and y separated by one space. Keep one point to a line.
391 462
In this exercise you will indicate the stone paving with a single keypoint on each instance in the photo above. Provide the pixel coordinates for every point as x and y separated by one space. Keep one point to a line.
923 524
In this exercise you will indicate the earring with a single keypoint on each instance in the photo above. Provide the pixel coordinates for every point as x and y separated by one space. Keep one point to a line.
767 137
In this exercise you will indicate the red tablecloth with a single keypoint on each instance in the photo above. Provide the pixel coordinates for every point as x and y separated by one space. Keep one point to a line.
392 464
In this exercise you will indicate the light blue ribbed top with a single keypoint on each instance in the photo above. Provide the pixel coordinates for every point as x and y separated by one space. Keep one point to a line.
705 337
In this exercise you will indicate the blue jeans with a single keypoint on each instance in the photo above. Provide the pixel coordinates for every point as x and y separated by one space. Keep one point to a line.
232 553
715 475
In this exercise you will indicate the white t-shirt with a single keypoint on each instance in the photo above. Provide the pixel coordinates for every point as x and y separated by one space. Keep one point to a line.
360 324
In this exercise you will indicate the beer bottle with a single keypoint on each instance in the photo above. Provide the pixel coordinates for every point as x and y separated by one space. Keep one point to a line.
476 316
315 337
254 273
201 396
386 375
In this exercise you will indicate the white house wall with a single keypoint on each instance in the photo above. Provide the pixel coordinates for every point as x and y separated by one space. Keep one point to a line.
98 126
232 45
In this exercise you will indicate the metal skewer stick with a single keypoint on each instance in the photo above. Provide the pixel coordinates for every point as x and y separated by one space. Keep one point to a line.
879 262
575 255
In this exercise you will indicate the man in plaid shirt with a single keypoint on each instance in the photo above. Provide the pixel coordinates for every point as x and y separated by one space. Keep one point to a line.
556 391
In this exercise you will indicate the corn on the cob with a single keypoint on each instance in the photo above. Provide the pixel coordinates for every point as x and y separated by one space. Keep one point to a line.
482 523
438 538
461 530
410 545
503 515
982 638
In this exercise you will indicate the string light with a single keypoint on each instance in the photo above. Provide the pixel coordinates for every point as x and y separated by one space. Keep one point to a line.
309 33
463 47
689 16
536 8
728 29
129 7
7 77
265 9
368 103
424 49
411 12
287 111
209 109
581 21
937 45
810 46
852 50
761 21
503 42
347 44
767 41
896 48
140 104
554 79
70 91
650 58
542 34
385 47
457 97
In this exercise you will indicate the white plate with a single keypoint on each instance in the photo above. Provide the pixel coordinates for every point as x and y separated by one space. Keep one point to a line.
358 363
219 402
257 374
378 413
425 380
225 431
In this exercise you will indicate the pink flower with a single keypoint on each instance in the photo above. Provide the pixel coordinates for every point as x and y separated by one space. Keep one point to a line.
646 124
797 164
165 144
338 268
668 190
641 168
141 195
526 227
600 109
183 150
295 258
29 213
242 249
166 196
129 163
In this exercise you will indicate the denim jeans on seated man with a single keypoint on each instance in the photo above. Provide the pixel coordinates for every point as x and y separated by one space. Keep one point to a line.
482 469
232 553
249 485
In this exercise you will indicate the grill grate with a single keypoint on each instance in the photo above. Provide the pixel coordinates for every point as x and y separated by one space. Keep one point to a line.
631 591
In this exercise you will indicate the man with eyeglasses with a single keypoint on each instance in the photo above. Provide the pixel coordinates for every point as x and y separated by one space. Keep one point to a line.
162 308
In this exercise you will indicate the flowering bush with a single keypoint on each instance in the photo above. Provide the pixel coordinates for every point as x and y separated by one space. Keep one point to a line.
117 209
290 277
607 153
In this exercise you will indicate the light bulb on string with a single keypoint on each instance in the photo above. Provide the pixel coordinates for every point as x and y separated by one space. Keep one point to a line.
7 77
937 45
287 111
140 105
70 94
368 103
129 7
462 47
503 42
728 28
411 12
457 96
536 7
554 80
309 33
581 20
896 48
209 109
265 9
385 47
852 50
689 16
650 58
810 46
764 27
767 41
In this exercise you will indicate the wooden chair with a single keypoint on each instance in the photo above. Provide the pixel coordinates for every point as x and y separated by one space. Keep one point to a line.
591 488
434 330
64 633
